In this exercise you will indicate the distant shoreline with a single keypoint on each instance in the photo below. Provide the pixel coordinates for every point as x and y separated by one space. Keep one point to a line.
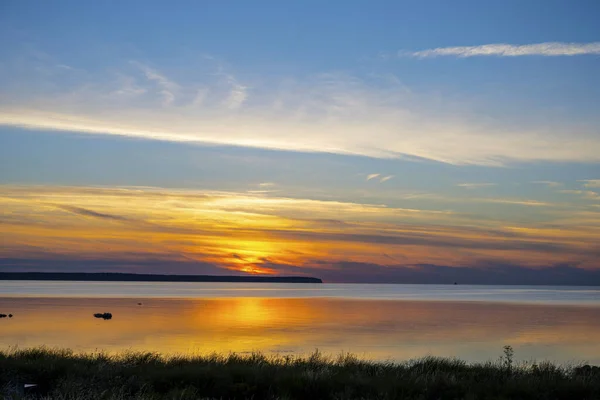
124 277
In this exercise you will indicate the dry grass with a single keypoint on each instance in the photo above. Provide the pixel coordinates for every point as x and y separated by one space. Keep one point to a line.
63 374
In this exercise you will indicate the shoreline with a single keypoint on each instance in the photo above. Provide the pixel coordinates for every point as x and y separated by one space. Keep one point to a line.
129 277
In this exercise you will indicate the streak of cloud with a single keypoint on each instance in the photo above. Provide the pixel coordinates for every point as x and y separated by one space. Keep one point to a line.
585 194
495 273
372 176
511 201
530 203
591 183
548 49
330 113
237 95
475 185
168 88
551 184
89 213
386 178
260 229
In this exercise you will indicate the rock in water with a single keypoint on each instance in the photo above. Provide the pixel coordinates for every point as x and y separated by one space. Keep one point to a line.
105 315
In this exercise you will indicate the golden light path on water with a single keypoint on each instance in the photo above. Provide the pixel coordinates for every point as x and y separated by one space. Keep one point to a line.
375 329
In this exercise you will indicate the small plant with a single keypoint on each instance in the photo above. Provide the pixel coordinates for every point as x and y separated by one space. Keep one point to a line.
507 358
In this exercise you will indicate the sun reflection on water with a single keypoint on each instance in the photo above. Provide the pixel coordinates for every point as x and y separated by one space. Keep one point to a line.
370 328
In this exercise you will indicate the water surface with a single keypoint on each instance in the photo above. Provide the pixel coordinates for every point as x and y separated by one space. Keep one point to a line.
576 295
374 321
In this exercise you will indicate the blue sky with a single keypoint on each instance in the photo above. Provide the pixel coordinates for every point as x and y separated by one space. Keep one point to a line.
485 110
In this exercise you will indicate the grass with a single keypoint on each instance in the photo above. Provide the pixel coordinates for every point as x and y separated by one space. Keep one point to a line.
63 374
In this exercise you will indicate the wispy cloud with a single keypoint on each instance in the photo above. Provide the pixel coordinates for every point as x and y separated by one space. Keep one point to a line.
529 203
548 49
591 183
475 185
168 88
237 93
128 88
586 194
551 184
331 113
262 191
509 201
264 188
90 213
209 226
379 177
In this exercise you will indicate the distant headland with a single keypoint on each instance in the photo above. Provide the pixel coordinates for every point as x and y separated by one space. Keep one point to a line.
123 277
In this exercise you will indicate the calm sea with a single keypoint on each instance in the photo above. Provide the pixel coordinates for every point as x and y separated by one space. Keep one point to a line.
386 322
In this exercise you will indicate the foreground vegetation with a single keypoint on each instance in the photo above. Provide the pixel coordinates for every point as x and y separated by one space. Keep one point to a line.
62 374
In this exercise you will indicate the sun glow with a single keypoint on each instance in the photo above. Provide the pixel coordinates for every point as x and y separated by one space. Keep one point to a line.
255 234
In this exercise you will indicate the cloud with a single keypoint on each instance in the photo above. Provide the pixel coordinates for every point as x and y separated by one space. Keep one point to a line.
90 213
372 176
330 113
586 194
548 49
449 200
168 88
210 226
551 184
143 264
487 273
435 241
386 178
591 183
531 203
237 95
475 185
264 188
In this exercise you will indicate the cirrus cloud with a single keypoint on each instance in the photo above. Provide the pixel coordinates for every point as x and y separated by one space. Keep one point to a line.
548 49
328 113
591 183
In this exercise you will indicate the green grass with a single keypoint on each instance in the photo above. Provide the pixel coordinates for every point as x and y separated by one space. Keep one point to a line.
63 374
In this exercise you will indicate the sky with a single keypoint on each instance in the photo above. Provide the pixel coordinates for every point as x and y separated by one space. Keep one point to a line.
355 141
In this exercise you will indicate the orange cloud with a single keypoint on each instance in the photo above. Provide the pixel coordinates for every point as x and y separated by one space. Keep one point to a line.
262 234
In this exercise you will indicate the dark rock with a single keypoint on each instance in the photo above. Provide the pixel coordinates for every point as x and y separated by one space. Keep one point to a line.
139 304
3 315
105 315
9 315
